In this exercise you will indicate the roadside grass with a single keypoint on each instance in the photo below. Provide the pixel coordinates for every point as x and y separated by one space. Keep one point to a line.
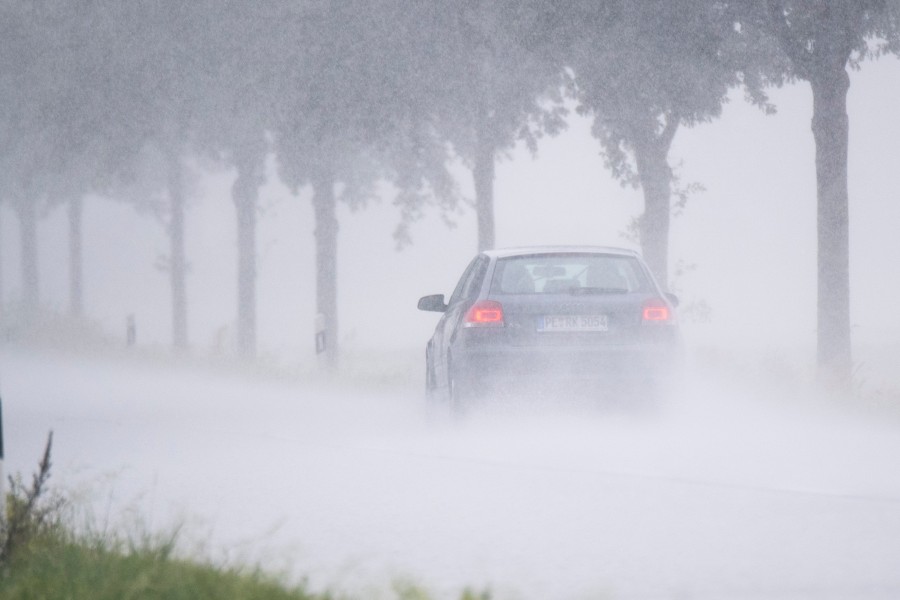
372 369
779 373
789 375
58 564
785 369
44 555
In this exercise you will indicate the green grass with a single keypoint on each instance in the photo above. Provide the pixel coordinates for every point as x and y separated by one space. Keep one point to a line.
59 565
43 556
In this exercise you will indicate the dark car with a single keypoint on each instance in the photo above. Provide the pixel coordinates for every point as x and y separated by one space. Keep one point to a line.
544 320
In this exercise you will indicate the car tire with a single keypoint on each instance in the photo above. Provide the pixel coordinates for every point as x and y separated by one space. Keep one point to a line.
430 384
459 394
435 405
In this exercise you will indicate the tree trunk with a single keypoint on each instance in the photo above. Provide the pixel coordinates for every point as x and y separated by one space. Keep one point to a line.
76 295
656 179
177 261
27 212
830 126
324 204
245 194
483 174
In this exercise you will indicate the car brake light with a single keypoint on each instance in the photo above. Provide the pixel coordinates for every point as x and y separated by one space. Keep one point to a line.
486 313
656 310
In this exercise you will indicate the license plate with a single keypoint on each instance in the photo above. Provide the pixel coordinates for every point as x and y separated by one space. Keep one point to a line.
573 323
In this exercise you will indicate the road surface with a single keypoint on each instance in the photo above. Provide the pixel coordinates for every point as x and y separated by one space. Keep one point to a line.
725 493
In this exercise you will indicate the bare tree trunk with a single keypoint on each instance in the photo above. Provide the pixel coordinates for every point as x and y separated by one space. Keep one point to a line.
651 156
821 57
830 127
177 260
245 193
483 174
27 212
324 204
76 295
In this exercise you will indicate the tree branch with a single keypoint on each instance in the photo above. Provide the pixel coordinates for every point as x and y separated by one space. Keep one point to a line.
801 58
673 120
852 27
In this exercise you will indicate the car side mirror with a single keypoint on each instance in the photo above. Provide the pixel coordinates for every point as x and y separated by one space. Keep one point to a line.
673 299
433 303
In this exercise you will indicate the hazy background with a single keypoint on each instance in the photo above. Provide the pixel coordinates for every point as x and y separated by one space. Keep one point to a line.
748 239
740 489
749 482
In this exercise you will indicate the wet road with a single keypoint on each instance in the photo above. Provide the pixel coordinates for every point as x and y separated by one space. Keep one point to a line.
723 493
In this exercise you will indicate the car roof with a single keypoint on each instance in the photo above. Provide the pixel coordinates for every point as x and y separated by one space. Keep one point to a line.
527 250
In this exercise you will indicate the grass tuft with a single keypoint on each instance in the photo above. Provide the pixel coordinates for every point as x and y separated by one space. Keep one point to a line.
30 512
60 565
42 556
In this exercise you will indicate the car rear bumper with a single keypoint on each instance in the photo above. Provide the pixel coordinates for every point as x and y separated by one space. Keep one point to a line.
490 369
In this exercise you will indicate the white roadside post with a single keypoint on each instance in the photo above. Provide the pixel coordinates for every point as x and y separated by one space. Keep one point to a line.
320 333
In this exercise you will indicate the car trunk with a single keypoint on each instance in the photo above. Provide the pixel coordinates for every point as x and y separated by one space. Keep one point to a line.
566 320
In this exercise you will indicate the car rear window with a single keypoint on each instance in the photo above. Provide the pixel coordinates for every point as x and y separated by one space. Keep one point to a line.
568 273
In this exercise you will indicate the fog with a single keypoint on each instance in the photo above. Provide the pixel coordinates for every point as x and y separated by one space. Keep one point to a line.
746 483
750 237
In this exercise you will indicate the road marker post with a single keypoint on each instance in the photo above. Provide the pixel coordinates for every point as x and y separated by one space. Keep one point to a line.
321 340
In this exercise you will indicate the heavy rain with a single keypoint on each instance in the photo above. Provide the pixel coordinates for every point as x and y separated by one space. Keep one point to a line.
216 220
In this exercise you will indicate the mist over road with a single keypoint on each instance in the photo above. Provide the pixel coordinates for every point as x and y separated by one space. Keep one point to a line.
723 494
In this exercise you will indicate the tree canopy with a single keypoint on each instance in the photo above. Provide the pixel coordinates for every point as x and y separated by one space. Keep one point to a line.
355 97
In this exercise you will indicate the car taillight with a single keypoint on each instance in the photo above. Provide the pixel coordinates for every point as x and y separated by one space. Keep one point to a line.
486 313
657 310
